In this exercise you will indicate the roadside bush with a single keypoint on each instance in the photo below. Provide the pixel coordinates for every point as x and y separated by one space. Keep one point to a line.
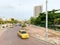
23 25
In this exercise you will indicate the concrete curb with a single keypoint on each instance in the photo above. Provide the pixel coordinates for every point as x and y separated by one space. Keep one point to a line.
42 39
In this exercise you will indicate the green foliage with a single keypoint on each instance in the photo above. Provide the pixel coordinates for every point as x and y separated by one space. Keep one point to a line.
23 25
57 21
13 21
6 21
32 20
53 19
37 21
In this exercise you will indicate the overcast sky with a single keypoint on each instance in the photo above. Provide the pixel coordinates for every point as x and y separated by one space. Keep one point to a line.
24 9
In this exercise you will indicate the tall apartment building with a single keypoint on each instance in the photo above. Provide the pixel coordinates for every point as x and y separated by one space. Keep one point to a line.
37 10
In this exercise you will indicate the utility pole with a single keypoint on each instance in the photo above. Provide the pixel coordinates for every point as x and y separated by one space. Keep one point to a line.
46 20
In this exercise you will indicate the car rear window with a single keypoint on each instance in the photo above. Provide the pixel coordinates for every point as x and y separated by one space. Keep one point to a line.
23 32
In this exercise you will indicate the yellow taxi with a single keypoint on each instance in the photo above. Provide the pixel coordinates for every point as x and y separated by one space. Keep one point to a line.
23 34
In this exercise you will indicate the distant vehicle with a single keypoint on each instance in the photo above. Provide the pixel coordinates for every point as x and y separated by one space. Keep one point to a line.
3 26
6 25
18 24
10 25
23 34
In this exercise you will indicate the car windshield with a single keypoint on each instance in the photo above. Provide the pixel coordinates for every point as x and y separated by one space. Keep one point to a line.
23 32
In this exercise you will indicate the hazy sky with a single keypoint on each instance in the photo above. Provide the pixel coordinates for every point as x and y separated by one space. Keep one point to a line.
24 9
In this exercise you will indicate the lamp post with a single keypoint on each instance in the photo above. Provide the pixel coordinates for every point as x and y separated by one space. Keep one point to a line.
46 21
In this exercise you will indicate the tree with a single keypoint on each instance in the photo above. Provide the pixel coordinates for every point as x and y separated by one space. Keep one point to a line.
53 18
57 21
40 20
32 20
2 21
13 20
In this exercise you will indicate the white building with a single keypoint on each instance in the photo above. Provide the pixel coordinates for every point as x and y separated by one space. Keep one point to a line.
37 10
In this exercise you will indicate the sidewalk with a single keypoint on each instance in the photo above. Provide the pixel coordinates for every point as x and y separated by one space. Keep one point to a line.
39 32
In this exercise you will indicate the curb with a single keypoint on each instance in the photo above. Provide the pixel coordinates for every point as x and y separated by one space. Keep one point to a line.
43 40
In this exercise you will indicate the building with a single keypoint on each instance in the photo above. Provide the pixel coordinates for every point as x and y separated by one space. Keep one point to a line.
37 10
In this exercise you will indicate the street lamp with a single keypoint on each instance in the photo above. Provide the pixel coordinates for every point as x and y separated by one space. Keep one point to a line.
46 21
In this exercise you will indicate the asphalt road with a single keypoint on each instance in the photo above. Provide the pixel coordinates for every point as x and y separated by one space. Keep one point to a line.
10 37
